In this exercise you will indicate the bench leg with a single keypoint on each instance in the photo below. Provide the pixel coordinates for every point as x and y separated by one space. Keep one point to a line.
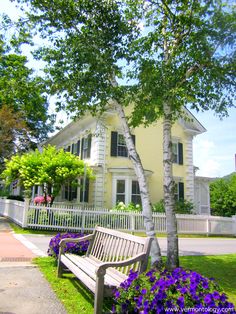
98 301
59 269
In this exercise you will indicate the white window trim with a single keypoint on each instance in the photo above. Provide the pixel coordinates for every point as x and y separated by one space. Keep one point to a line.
128 187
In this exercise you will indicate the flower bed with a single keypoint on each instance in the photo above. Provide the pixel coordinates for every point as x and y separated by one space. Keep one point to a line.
179 291
76 248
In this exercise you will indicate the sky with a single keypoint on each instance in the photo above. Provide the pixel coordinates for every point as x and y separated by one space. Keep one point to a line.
214 151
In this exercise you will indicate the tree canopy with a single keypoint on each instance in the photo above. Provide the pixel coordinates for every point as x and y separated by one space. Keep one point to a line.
50 168
23 93
223 196
13 133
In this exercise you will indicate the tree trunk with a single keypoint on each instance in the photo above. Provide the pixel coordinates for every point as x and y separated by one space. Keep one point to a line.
169 201
145 197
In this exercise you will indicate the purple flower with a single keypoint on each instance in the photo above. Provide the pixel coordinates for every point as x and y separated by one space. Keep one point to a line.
216 295
161 292
180 302
76 248
184 290
208 298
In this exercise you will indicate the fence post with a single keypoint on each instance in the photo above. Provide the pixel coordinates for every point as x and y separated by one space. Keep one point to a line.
234 225
83 220
207 226
25 212
132 222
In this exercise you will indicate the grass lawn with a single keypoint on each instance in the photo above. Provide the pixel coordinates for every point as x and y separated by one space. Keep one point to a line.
220 267
77 299
18 229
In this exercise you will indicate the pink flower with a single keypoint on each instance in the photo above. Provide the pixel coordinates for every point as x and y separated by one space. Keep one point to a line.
41 199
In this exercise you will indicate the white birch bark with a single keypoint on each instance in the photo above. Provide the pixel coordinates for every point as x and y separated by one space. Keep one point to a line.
168 182
169 201
145 197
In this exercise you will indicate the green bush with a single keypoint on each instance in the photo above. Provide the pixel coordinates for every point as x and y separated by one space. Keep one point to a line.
223 196
181 207
16 197
158 207
129 207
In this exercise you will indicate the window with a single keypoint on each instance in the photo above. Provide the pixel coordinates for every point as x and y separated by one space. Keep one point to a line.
86 147
121 146
177 151
84 191
120 191
135 196
179 191
70 191
118 145
126 190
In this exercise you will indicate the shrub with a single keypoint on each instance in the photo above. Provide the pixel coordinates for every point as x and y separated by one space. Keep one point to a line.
170 292
158 207
40 200
16 198
181 207
129 207
76 248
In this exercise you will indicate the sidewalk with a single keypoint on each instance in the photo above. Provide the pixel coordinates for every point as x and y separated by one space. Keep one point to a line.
23 289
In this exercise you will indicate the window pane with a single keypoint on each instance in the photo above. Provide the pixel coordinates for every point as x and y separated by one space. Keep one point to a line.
121 139
120 186
120 198
122 151
135 187
121 146
175 152
136 199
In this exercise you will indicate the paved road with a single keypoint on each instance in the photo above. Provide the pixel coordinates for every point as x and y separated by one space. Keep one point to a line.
187 246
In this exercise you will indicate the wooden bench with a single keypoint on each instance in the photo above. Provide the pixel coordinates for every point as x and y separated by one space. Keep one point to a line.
109 258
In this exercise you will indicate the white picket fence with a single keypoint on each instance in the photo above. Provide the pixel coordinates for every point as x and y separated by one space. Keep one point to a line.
78 217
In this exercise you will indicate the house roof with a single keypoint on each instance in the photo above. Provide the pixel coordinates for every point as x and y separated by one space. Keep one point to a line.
188 121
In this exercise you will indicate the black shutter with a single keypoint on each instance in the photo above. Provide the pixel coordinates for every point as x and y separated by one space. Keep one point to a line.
180 152
82 147
73 148
68 149
86 191
181 190
133 138
78 148
114 143
89 145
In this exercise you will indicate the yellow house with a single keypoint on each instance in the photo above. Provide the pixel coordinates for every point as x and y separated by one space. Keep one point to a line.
100 143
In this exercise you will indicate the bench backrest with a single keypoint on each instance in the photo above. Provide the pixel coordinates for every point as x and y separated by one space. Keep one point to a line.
110 245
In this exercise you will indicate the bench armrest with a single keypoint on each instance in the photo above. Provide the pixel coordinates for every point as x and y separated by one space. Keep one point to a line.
101 269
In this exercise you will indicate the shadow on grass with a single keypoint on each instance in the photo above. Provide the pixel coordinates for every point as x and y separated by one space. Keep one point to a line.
86 294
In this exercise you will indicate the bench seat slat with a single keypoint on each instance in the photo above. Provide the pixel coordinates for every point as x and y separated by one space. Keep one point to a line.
89 266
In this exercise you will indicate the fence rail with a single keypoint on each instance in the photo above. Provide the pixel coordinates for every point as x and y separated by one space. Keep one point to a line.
78 217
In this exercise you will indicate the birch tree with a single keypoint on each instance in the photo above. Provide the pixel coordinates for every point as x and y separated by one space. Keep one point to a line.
186 57
86 55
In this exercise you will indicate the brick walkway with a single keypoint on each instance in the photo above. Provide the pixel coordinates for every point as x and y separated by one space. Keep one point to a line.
11 249
23 289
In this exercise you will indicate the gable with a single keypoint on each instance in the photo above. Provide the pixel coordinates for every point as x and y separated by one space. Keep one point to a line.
190 123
